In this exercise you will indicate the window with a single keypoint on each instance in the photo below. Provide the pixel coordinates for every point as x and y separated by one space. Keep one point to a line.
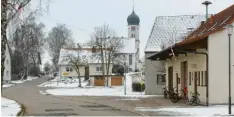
133 28
7 61
205 77
133 36
130 69
98 68
178 79
190 78
202 78
198 80
67 69
161 79
195 77
130 59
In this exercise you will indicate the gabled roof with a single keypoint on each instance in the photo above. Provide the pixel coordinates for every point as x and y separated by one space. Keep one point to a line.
213 24
86 53
167 27
128 46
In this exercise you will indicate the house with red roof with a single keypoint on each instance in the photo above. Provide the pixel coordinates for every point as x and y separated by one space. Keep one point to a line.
200 62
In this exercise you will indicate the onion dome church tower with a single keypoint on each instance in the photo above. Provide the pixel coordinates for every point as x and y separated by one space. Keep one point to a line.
133 32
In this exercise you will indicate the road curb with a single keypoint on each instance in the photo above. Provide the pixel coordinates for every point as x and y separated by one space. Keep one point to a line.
22 111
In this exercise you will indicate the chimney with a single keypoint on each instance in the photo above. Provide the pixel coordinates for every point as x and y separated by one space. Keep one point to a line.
207 3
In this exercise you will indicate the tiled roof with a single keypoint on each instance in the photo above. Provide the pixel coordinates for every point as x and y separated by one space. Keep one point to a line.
167 27
213 24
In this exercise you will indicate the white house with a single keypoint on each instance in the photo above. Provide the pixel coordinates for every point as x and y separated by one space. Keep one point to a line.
127 54
201 61
91 69
7 64
165 31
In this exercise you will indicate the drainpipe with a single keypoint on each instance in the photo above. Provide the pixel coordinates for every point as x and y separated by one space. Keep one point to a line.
207 69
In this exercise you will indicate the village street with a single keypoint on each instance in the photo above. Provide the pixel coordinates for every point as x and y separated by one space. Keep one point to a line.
37 104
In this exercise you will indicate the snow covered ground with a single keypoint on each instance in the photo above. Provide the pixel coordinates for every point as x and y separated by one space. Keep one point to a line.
71 89
68 83
9 107
193 111
30 78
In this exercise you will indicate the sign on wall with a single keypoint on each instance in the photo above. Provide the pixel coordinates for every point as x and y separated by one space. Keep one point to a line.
65 73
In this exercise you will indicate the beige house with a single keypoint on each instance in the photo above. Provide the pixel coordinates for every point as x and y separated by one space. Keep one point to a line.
166 29
92 68
201 61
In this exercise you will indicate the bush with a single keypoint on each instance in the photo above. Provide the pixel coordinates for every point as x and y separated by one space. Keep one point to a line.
34 71
138 87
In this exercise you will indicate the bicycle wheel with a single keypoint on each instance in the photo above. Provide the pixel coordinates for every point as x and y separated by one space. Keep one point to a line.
165 94
190 101
174 97
197 101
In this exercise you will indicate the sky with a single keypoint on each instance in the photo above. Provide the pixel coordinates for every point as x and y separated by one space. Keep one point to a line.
81 16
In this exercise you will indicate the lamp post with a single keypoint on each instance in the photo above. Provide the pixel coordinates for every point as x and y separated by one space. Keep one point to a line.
229 32
125 87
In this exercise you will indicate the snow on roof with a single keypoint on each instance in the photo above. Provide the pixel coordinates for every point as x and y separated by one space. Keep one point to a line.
128 45
170 29
85 53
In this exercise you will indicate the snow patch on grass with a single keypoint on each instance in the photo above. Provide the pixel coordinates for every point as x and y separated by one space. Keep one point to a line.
7 85
195 111
64 89
9 107
29 78
68 83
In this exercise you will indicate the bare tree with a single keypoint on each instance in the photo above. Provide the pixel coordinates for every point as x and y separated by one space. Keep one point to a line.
76 61
104 39
10 10
27 42
59 37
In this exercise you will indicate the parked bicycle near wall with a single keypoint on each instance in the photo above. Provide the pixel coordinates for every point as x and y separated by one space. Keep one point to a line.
167 93
194 99
175 97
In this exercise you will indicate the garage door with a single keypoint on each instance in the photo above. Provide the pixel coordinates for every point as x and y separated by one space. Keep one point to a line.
116 81
99 81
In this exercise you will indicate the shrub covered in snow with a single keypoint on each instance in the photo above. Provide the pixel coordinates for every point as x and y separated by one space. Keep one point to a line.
138 87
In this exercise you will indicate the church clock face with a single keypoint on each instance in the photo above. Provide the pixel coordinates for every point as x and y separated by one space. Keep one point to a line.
133 28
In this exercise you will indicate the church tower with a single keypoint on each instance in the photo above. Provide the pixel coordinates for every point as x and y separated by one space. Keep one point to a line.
133 32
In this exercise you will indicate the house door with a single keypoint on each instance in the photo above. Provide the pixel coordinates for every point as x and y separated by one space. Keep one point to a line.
184 74
86 72
170 78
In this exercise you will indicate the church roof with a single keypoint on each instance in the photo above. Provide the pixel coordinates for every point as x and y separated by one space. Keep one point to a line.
133 19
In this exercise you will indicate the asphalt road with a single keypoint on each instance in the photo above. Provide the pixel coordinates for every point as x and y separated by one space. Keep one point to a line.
37 104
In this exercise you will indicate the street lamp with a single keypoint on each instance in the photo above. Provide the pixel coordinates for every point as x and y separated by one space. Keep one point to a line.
229 32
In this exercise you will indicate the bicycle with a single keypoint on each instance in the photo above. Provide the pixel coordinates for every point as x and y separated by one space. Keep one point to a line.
194 100
167 92
175 97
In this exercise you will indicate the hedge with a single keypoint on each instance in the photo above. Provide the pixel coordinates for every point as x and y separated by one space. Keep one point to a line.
138 87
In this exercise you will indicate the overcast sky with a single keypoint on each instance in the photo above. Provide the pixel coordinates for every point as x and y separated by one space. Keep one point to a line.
81 16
